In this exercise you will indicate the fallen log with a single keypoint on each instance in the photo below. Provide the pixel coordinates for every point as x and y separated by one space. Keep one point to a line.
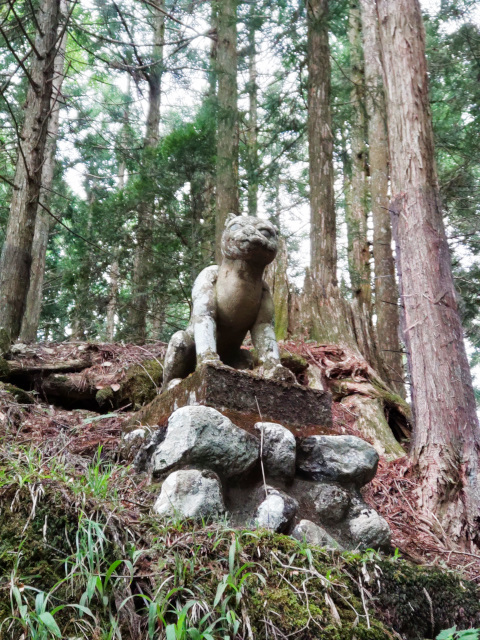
17 367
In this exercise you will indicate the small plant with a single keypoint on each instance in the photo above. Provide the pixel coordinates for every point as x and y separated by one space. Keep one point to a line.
97 476
36 615
453 634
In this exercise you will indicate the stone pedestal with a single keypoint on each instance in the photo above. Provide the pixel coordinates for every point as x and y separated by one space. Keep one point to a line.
245 399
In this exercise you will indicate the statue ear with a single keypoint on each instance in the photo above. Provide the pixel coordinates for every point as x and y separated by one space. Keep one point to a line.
230 217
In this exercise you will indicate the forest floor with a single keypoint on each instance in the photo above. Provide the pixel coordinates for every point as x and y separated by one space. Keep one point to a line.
72 512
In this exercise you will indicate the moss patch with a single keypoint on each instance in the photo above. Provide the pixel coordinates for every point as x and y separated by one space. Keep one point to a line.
4 368
33 542
294 362
104 396
406 592
21 396
5 341
141 383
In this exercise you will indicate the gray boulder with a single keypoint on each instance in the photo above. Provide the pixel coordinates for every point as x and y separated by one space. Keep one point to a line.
190 494
202 437
279 450
344 459
310 532
137 434
331 502
276 512
370 531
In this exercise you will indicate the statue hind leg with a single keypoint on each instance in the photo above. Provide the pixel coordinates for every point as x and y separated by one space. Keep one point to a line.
180 359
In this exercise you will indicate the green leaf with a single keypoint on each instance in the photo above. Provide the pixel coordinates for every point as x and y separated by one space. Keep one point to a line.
220 591
49 622
152 619
39 602
111 569
91 587
82 609
447 634
170 632
231 556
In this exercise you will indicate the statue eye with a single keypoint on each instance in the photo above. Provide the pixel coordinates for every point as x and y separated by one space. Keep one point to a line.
234 227
268 233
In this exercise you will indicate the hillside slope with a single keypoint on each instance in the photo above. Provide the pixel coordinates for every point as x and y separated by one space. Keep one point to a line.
82 557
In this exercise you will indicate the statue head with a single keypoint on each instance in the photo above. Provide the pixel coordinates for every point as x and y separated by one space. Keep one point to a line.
250 239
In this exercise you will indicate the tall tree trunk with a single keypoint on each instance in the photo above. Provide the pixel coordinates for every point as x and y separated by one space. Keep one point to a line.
115 269
212 67
81 317
112 300
386 292
227 114
252 142
320 145
358 250
43 223
446 434
15 261
143 249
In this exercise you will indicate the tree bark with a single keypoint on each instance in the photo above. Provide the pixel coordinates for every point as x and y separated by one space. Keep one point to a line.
112 301
226 200
446 434
43 223
252 142
16 258
358 250
320 145
212 67
143 249
386 291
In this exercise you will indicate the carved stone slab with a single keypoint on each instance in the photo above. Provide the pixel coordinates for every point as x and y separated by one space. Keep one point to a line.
245 399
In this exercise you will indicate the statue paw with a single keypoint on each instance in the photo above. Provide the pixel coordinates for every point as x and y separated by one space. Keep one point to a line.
279 373
209 358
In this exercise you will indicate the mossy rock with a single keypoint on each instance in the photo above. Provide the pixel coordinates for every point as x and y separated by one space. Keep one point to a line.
406 591
294 362
20 395
141 385
104 396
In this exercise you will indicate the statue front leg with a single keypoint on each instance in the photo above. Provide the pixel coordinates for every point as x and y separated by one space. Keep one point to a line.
203 321
180 357
264 341
204 331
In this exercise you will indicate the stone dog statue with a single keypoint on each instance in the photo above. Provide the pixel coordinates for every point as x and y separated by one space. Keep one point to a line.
228 301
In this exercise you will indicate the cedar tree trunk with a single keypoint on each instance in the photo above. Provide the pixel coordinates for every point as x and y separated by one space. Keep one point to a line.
358 250
446 435
386 292
252 143
16 258
227 115
320 145
143 250
31 317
